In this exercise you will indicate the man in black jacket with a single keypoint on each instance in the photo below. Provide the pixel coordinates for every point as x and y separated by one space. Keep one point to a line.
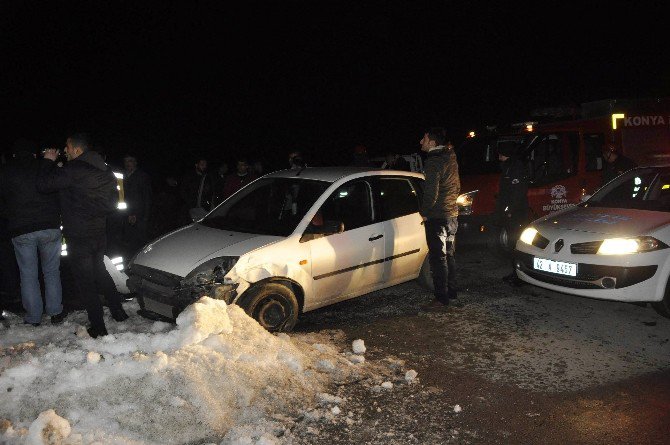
88 193
33 223
440 214
512 201
196 189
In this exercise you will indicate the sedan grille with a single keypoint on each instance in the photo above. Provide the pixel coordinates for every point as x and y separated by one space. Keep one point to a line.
590 248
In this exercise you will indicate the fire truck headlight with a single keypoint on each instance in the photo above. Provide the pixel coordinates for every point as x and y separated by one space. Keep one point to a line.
465 201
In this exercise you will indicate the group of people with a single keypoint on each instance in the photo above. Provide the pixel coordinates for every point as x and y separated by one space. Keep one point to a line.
38 196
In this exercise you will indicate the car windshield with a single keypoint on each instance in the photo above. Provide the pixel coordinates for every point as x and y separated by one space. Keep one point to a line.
641 188
269 206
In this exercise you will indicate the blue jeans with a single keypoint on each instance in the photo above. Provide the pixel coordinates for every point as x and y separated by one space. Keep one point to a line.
26 248
440 237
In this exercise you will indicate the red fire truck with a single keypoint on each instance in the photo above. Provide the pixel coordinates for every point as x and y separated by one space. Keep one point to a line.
562 149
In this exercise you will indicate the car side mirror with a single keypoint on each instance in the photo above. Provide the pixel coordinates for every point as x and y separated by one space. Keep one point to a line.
585 198
197 213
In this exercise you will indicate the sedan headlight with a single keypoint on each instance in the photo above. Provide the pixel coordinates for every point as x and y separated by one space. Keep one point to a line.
528 235
212 271
626 246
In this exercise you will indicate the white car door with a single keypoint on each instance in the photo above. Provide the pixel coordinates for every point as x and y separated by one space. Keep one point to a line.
351 262
398 205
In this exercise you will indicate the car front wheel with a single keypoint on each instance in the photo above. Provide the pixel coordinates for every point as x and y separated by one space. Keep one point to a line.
663 306
273 305
425 278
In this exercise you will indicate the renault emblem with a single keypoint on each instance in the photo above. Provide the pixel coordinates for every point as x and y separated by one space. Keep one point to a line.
558 246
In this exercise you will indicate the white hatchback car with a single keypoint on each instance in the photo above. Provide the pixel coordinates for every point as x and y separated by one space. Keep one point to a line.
290 242
613 246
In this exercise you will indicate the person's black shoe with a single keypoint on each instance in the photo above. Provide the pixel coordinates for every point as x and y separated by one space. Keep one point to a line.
34 324
58 318
118 314
97 332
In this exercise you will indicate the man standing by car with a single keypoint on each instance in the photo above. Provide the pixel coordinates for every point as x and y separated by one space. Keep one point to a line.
615 163
440 214
88 193
196 190
512 201
33 222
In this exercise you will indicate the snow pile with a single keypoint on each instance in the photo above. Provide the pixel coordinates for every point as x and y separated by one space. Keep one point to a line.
217 376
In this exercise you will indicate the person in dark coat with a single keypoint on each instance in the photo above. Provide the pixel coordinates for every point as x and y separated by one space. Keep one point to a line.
440 215
512 200
396 162
88 194
33 223
615 163
137 191
239 179
218 184
196 189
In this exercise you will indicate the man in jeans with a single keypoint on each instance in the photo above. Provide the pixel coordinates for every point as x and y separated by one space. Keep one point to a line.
88 193
33 222
440 214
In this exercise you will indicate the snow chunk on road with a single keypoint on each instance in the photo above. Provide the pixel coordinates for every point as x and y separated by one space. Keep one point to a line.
410 375
457 408
48 429
93 357
387 385
358 346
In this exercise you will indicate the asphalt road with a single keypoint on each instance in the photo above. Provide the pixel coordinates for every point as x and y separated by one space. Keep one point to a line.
525 365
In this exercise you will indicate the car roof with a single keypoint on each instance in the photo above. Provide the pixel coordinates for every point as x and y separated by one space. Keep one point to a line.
332 174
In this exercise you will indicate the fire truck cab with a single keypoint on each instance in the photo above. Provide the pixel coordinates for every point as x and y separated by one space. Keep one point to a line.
563 156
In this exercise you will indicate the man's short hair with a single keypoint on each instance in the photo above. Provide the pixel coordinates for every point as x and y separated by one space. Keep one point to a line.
437 134
81 141
130 155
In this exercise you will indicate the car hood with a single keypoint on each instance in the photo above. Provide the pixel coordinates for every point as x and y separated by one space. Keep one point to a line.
182 250
605 220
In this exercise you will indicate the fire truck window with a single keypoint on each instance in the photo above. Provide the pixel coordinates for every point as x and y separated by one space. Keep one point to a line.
477 156
593 145
547 161
573 141
396 198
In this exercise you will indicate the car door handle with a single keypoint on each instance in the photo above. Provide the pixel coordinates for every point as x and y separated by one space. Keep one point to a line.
372 238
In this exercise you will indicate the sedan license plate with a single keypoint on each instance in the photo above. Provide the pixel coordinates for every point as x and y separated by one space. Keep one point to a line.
558 267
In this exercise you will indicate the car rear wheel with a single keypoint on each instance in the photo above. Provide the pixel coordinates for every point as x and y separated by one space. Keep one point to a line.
663 306
425 276
273 305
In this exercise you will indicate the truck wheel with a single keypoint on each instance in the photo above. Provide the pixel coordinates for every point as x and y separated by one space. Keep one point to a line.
273 305
425 278
663 306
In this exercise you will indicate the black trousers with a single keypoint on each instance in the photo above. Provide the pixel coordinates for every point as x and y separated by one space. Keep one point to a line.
441 238
91 278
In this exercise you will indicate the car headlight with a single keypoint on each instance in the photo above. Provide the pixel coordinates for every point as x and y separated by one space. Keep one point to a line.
528 235
625 246
212 271
464 202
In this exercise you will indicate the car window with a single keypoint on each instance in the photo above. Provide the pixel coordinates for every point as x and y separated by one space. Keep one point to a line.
269 206
396 198
350 204
644 189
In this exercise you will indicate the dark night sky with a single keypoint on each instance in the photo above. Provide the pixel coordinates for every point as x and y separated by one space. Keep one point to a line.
166 79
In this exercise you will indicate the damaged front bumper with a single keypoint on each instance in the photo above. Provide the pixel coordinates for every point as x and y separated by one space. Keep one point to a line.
167 295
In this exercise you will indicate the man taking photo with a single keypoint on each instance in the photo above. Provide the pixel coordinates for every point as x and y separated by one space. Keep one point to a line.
88 193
